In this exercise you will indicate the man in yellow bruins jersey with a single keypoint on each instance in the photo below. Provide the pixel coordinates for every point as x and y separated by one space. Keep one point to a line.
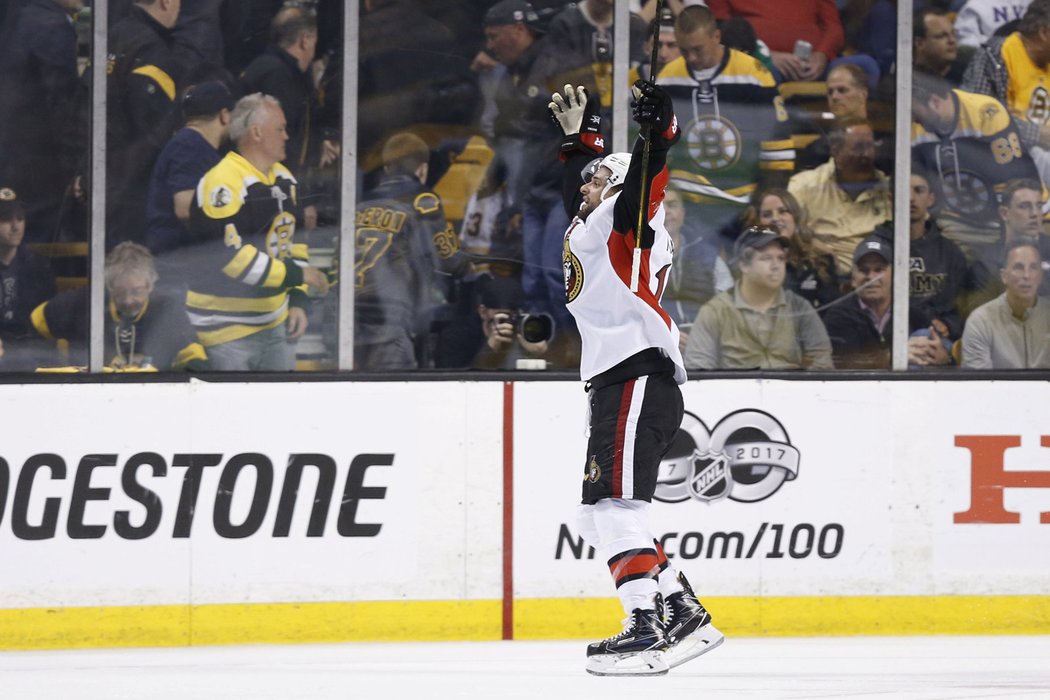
1015 69
734 124
971 148
247 303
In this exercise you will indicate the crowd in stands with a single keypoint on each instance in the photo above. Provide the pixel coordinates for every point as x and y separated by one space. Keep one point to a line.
223 157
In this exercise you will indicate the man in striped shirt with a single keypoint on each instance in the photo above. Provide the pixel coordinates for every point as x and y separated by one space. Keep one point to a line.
248 305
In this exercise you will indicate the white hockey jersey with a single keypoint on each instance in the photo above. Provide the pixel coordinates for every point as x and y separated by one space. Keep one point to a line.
616 323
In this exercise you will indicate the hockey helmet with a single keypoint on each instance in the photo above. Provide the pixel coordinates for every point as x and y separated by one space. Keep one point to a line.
617 164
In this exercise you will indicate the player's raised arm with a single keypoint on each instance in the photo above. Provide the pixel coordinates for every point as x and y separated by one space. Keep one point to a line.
577 115
652 106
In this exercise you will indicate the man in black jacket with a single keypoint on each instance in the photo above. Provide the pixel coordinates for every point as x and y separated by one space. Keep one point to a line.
939 276
144 80
284 71
42 141
861 326
26 280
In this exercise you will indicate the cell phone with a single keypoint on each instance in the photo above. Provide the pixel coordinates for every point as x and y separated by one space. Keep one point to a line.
803 50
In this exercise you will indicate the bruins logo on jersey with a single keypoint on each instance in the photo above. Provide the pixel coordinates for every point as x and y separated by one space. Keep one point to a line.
966 193
1039 106
220 197
714 142
573 272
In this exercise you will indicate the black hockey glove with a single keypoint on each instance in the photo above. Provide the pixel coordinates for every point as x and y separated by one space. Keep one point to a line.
576 114
652 105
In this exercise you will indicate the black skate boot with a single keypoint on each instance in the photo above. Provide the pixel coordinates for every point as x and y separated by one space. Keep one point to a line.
688 626
637 651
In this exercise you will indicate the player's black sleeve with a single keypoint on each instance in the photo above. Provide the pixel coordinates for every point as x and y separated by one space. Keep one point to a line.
654 108
577 150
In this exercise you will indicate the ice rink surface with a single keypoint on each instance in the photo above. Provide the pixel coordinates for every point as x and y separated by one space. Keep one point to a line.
843 667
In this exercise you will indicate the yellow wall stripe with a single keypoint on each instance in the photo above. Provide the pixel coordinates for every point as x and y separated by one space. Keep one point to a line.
562 618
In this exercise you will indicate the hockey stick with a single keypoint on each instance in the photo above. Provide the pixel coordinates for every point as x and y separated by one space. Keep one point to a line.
647 129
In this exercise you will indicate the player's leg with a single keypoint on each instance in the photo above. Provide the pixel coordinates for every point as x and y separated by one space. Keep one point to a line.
687 624
631 424
620 526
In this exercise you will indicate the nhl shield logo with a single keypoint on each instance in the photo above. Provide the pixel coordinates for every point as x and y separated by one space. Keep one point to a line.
712 479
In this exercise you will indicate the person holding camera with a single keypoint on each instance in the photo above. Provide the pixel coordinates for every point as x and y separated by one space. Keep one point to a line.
510 335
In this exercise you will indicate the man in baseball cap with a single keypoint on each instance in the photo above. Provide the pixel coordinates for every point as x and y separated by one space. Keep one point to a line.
758 324
512 12
861 328
206 100
757 238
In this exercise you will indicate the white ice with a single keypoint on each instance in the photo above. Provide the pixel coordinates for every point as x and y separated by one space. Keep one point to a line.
844 667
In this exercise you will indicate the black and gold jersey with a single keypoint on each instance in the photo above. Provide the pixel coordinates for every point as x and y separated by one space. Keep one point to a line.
734 126
159 337
247 218
970 165
403 242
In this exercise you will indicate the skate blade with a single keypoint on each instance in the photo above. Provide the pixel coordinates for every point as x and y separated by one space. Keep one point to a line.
644 663
697 644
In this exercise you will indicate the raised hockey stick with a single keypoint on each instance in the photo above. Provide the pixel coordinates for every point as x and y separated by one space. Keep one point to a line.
636 261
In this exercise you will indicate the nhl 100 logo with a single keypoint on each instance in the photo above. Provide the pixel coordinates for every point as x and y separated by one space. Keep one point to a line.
746 458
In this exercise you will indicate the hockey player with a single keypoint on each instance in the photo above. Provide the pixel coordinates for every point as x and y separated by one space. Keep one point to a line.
632 367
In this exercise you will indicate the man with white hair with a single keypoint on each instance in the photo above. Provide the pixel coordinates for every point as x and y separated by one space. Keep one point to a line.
249 308
615 262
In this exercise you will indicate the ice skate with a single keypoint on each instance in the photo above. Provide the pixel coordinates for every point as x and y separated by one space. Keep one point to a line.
637 651
688 627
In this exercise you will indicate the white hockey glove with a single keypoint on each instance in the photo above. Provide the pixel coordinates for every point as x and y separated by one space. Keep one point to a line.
568 110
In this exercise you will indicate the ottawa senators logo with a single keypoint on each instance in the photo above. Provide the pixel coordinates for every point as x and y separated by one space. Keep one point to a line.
572 270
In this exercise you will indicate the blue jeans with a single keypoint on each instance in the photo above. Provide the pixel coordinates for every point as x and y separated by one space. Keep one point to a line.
543 240
265 351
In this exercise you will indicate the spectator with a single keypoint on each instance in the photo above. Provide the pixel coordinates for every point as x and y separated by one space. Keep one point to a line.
977 20
848 92
847 197
1013 330
141 330
43 139
191 152
502 316
283 71
735 127
248 305
969 144
935 48
938 266
937 282
26 281
758 324
861 328
870 27
666 50
1020 213
402 243
143 81
583 31
781 24
698 272
811 272
1014 70
525 140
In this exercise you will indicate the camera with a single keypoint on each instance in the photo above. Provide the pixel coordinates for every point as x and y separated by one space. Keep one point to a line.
534 328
